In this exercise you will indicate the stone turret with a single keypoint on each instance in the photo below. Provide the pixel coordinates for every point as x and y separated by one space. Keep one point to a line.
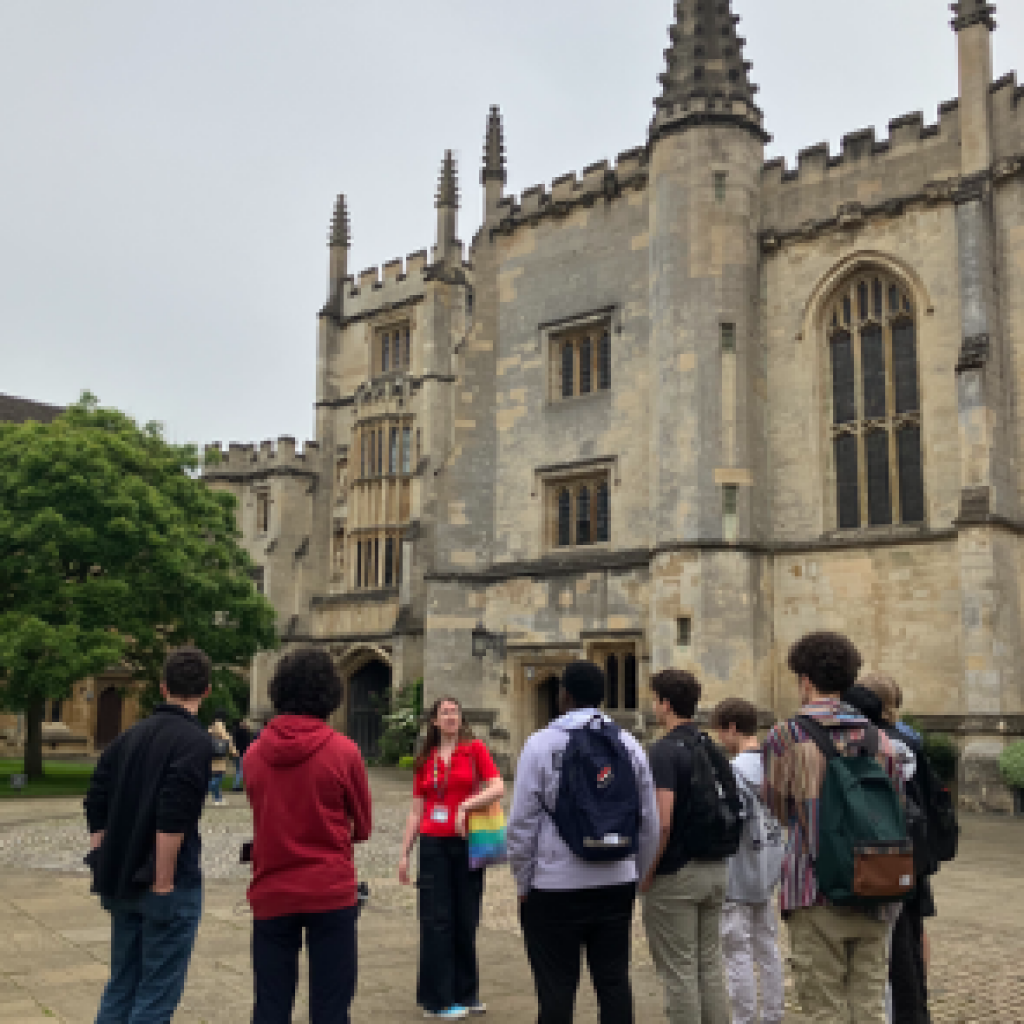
706 78
493 176
339 241
447 203
707 151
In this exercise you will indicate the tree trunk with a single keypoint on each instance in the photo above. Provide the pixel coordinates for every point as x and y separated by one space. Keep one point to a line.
34 714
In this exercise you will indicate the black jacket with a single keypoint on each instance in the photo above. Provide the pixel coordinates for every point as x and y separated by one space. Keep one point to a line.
152 778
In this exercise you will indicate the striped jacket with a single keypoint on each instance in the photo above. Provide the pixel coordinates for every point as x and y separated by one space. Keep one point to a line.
794 770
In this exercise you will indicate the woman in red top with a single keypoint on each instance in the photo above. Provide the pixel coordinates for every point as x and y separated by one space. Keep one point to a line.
310 803
454 775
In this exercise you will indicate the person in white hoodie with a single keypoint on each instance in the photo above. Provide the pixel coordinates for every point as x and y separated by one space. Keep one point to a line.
750 930
567 902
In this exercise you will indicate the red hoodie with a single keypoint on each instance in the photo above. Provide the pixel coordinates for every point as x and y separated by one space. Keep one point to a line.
310 801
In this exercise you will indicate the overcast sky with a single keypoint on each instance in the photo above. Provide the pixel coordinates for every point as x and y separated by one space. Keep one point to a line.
168 170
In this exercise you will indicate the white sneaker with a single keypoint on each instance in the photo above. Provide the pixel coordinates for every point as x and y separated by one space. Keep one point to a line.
452 1013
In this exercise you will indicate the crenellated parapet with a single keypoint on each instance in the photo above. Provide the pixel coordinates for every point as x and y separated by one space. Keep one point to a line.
242 463
598 182
916 165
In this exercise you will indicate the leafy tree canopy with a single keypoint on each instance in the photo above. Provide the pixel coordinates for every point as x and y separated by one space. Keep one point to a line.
112 552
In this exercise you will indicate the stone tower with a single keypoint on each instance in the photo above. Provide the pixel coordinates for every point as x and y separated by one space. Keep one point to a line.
707 150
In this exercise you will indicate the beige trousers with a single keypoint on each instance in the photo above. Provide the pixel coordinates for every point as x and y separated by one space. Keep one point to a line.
840 965
683 919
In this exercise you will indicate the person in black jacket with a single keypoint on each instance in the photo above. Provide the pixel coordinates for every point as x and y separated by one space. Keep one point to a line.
143 808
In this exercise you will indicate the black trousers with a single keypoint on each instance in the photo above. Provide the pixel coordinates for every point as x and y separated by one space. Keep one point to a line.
557 927
906 969
450 896
331 941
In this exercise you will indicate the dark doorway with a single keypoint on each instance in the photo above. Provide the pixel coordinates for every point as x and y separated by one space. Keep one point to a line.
108 716
369 693
547 701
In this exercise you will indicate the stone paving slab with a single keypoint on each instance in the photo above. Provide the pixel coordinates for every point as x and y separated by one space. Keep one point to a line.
54 937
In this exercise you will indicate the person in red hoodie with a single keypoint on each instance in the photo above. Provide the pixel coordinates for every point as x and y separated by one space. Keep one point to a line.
310 801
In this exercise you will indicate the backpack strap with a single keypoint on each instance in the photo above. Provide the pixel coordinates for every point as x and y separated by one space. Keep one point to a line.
819 736
822 737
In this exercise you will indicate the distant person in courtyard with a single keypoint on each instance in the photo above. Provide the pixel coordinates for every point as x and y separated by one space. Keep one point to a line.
310 799
454 774
685 889
839 954
223 748
750 933
143 808
242 737
583 831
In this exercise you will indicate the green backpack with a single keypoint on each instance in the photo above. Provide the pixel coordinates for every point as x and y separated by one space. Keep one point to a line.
865 856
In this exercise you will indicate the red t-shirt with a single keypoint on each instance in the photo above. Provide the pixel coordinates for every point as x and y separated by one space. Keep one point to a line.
443 787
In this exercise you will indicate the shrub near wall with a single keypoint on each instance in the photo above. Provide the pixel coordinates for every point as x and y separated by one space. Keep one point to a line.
1011 766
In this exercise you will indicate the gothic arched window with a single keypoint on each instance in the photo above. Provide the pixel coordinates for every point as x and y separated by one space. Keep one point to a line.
876 412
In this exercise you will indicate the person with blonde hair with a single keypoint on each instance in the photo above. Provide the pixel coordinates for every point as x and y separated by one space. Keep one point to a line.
880 697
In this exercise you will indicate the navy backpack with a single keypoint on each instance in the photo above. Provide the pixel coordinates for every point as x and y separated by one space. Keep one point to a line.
597 811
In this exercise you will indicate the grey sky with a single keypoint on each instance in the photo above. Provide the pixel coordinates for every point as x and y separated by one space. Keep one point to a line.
167 170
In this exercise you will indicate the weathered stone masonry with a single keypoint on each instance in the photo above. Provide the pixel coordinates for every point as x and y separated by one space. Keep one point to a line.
617 429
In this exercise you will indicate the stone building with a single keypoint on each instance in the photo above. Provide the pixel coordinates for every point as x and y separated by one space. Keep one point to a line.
98 709
676 411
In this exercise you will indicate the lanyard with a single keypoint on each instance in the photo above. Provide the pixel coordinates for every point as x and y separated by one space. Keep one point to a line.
439 791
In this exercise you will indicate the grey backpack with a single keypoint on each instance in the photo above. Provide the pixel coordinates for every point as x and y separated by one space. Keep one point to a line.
755 869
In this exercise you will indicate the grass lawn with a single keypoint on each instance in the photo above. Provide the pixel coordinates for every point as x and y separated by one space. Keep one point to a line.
61 778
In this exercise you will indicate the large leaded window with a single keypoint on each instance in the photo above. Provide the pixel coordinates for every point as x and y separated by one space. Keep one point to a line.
876 410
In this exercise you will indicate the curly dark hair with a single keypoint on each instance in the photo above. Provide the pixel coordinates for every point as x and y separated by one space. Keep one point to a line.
680 688
829 660
306 683
187 672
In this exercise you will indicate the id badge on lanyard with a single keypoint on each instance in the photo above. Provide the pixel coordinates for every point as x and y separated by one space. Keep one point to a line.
439 814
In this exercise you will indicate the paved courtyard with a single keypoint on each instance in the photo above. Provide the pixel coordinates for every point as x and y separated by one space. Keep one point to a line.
54 937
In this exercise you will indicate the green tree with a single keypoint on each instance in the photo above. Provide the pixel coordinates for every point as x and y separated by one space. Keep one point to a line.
112 552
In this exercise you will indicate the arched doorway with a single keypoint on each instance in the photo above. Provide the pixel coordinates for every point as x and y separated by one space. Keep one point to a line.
108 716
547 701
369 693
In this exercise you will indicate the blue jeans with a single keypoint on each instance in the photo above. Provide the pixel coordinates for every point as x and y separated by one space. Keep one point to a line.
151 940
238 774
331 944
215 782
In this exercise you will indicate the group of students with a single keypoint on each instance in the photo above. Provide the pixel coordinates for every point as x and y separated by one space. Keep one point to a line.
595 822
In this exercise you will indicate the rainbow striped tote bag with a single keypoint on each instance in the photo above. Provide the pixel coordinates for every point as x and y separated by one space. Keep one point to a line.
485 831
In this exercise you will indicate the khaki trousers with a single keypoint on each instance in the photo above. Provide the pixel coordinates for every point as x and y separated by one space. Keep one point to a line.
840 965
683 918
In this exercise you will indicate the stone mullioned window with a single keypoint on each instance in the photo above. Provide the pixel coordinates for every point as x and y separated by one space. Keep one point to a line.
581 361
876 412
392 349
378 555
578 511
379 501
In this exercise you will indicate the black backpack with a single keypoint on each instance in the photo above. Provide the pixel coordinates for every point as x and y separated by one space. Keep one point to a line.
941 833
220 746
713 821
597 810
